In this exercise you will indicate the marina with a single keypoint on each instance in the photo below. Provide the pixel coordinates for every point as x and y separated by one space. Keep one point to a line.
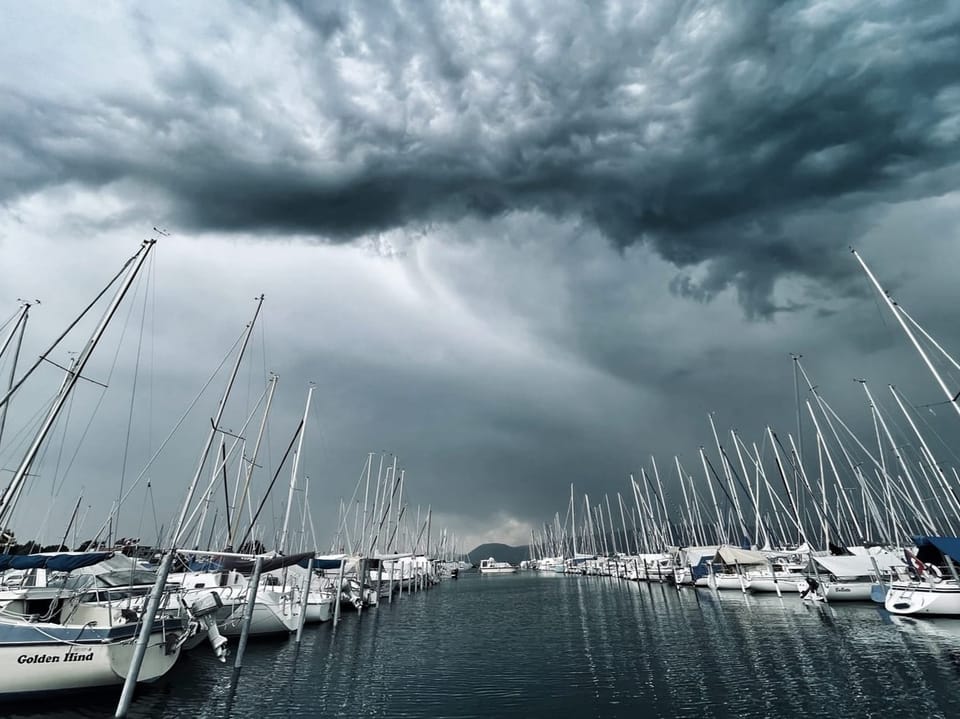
439 360
475 648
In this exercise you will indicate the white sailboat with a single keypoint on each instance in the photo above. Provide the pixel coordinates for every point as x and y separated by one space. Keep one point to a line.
53 653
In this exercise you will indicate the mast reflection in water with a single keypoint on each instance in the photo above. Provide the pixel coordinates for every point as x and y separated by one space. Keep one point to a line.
555 646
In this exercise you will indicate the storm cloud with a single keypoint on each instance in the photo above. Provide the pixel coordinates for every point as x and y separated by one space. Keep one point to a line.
519 244
707 131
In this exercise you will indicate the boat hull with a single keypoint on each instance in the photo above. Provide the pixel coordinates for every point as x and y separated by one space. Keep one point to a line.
921 598
32 663
847 591
787 583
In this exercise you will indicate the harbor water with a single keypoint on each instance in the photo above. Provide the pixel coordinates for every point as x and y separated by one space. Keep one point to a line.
546 645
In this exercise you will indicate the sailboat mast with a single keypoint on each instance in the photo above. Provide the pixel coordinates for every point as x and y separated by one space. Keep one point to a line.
20 324
893 309
293 471
20 475
215 426
252 462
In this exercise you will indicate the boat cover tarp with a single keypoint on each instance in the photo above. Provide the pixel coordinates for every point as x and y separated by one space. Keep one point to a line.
395 555
858 565
948 545
56 562
245 566
323 562
692 556
734 555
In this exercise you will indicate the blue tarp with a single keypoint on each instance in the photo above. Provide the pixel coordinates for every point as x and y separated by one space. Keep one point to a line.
321 563
55 562
204 566
702 568
947 545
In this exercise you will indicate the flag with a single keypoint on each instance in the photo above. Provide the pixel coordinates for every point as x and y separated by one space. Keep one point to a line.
914 564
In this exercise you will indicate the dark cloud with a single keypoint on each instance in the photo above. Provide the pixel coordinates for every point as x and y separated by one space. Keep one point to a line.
558 214
708 130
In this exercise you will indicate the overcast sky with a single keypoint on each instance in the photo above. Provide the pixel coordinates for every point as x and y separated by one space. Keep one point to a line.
519 245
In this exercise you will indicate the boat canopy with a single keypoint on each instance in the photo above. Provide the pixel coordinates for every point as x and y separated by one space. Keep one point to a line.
692 556
947 545
63 562
734 555
857 565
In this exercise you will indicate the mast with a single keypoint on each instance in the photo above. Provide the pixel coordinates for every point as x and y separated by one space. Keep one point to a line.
623 525
663 502
215 427
20 324
252 462
73 374
366 497
928 455
293 471
573 521
593 539
952 399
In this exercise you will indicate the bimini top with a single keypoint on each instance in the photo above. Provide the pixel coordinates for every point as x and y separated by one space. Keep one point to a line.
58 562
858 565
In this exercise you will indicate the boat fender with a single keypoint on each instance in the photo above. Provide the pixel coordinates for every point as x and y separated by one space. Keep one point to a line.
172 642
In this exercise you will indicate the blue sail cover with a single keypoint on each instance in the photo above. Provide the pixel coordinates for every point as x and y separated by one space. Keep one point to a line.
947 545
55 562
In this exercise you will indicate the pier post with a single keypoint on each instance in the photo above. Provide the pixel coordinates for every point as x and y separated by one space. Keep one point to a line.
379 579
304 599
143 638
393 569
362 573
339 592
248 614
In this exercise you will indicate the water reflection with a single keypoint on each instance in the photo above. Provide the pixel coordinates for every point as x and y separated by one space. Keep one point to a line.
528 645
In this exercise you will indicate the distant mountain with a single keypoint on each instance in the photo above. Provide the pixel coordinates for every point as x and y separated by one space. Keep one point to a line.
500 552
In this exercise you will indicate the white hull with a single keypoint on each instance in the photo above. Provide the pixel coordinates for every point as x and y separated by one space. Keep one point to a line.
272 614
725 582
44 666
787 583
910 598
319 607
492 566
846 591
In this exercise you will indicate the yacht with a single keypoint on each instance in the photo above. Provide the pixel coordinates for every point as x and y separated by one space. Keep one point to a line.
492 566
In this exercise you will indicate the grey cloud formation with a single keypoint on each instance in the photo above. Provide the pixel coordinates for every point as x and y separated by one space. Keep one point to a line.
750 137
513 243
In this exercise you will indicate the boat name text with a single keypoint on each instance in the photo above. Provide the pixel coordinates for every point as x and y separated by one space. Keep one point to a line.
53 658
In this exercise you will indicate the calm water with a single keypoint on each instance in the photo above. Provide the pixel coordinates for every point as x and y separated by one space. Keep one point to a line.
555 646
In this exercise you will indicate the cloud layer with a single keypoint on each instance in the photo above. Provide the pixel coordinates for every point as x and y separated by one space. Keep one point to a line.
519 244
756 140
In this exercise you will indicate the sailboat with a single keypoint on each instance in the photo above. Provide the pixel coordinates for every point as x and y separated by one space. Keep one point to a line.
49 653
928 590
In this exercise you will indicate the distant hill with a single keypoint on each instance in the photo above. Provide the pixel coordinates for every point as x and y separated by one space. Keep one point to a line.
500 552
